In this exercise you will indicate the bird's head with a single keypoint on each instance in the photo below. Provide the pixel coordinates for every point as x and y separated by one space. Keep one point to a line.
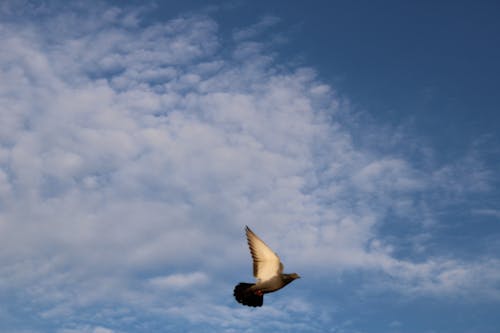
291 277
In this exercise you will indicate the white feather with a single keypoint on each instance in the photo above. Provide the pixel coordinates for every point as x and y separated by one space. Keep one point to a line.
266 263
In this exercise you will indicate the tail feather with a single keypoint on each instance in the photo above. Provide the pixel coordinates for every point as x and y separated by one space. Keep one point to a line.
246 297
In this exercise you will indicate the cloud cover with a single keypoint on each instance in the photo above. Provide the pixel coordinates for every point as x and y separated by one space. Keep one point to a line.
133 152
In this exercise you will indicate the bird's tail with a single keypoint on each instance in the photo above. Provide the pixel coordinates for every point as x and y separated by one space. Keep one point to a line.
245 296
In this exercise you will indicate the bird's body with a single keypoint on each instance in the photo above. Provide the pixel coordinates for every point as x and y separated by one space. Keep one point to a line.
267 269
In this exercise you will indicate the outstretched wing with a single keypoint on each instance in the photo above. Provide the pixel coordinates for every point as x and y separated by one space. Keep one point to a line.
266 263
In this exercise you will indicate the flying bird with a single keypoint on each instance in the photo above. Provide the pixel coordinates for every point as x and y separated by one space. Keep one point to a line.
267 269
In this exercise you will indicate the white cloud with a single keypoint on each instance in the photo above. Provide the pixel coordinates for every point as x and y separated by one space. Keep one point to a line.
179 281
452 278
388 175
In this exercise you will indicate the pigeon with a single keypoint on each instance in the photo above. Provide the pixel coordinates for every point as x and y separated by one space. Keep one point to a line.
267 269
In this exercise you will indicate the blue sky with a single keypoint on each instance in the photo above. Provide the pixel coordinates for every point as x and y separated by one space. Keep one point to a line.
359 140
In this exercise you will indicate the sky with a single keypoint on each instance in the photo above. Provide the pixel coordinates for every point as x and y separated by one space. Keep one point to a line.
360 140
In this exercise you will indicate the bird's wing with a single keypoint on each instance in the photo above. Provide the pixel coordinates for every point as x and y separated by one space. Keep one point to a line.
266 263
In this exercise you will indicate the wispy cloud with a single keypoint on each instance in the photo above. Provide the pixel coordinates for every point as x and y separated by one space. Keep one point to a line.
87 329
254 30
488 212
